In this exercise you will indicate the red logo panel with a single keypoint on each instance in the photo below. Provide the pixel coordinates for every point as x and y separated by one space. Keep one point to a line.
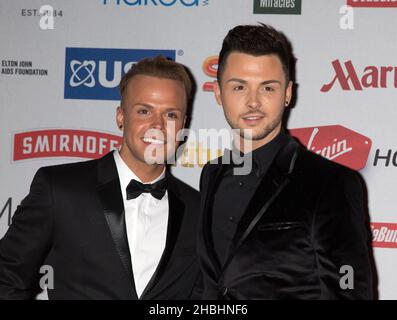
210 68
336 143
373 3
384 235
63 143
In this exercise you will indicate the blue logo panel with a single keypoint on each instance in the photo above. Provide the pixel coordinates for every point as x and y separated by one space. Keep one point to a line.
93 73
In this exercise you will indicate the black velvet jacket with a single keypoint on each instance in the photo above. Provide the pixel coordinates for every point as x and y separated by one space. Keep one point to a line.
304 227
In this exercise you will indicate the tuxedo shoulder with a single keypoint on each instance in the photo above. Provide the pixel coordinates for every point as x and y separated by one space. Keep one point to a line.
74 169
67 167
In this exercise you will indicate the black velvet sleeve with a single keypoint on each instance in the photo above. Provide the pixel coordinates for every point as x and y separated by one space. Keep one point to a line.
341 239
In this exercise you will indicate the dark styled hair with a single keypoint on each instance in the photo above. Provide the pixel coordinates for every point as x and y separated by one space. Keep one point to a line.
256 40
159 67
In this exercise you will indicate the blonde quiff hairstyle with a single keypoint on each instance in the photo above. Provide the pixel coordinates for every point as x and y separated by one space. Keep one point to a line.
159 67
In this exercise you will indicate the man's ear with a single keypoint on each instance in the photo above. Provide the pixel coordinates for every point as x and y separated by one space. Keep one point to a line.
217 91
120 117
288 93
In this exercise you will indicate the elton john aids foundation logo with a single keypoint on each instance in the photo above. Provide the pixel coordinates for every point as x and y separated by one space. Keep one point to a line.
92 73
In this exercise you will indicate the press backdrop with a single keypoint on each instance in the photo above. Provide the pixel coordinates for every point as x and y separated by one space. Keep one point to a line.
61 62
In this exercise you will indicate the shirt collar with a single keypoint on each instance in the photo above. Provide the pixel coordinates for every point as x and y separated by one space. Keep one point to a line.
126 174
264 155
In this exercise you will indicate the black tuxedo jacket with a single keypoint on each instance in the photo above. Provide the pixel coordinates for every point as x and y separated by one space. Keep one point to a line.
73 220
305 222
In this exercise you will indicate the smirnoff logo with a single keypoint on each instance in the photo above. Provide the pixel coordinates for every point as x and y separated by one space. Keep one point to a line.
384 235
373 3
370 77
336 143
63 143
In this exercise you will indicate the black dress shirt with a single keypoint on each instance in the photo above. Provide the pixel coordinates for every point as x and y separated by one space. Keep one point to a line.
235 191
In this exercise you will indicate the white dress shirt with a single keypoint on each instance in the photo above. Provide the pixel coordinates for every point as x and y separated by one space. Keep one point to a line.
146 221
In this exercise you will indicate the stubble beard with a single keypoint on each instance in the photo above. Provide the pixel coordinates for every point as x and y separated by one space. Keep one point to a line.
247 134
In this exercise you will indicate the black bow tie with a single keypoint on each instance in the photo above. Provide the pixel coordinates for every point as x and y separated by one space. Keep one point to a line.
136 188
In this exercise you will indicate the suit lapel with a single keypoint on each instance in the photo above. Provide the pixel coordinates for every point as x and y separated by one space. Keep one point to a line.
112 202
271 185
176 210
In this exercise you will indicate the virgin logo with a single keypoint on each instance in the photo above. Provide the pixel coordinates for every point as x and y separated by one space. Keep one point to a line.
336 143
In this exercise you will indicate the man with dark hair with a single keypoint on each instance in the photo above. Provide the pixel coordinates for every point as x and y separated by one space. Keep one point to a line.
120 227
294 226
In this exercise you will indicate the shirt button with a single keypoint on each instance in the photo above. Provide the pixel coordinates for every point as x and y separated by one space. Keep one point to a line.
241 184
231 218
